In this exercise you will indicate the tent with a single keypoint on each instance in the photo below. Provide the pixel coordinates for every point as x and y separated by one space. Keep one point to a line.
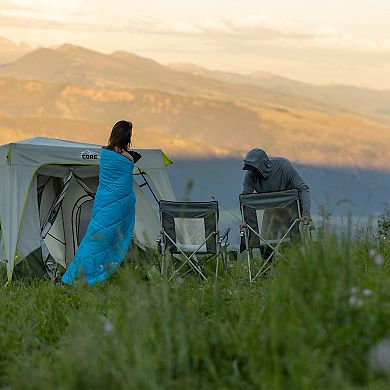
47 190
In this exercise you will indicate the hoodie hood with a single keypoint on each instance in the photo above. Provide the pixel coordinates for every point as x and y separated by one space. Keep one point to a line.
258 159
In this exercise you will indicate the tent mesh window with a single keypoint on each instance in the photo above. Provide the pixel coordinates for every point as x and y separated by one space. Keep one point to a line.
83 216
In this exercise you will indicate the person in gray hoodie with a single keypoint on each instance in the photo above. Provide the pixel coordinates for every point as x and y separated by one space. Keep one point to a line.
266 174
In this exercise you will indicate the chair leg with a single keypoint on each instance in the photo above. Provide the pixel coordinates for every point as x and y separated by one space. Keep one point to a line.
165 260
162 269
225 261
266 265
249 255
217 266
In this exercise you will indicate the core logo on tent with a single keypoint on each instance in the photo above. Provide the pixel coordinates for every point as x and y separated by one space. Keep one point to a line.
89 155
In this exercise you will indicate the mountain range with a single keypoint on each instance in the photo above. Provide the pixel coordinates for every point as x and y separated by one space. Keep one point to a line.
76 93
360 100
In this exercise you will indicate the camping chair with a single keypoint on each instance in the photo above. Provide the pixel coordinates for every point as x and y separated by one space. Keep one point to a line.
189 233
269 220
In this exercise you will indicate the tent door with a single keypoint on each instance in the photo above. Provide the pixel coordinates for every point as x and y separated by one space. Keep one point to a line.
55 208
81 215
65 207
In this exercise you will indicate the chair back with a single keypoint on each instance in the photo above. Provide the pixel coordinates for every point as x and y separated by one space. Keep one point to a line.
271 215
190 225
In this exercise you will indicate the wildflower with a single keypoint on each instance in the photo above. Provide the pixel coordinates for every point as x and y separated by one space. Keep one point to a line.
379 259
353 301
367 292
354 290
372 253
379 356
108 327
235 367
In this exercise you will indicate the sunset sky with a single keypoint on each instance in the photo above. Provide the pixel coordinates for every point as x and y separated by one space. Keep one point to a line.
333 41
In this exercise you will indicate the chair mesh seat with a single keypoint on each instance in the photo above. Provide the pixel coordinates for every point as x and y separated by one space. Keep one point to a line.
190 229
178 222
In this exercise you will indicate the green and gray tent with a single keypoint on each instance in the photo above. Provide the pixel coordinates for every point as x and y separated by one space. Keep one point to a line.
47 188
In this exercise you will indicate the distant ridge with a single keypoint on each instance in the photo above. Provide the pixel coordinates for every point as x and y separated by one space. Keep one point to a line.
189 125
76 65
77 93
10 51
375 102
69 63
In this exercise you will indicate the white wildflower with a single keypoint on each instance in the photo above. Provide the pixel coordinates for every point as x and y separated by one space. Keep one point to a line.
379 259
353 301
108 327
379 356
354 290
235 367
367 292
372 253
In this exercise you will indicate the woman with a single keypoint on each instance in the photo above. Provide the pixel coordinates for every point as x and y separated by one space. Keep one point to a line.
110 230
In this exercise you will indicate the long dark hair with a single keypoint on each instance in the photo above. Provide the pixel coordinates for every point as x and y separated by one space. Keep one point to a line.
120 136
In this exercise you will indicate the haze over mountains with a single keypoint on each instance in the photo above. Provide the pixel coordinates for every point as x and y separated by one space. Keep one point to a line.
11 51
76 93
356 99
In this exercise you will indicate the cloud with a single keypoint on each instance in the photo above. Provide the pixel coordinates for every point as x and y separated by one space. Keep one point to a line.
252 26
255 30
241 32
45 24
41 6
15 6
44 14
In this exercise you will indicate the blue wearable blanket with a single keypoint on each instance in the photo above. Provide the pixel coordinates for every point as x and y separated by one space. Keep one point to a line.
110 230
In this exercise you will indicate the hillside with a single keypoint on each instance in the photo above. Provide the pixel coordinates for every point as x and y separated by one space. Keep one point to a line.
190 126
77 65
362 100
77 93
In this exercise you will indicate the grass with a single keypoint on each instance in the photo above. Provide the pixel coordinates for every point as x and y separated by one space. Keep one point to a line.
301 327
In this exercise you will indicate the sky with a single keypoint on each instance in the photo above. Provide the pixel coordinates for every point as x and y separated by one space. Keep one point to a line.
321 42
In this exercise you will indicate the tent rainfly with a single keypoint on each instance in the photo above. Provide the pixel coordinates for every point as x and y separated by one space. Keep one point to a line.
47 189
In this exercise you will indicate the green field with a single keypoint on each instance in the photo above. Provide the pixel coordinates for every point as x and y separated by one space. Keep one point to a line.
319 321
